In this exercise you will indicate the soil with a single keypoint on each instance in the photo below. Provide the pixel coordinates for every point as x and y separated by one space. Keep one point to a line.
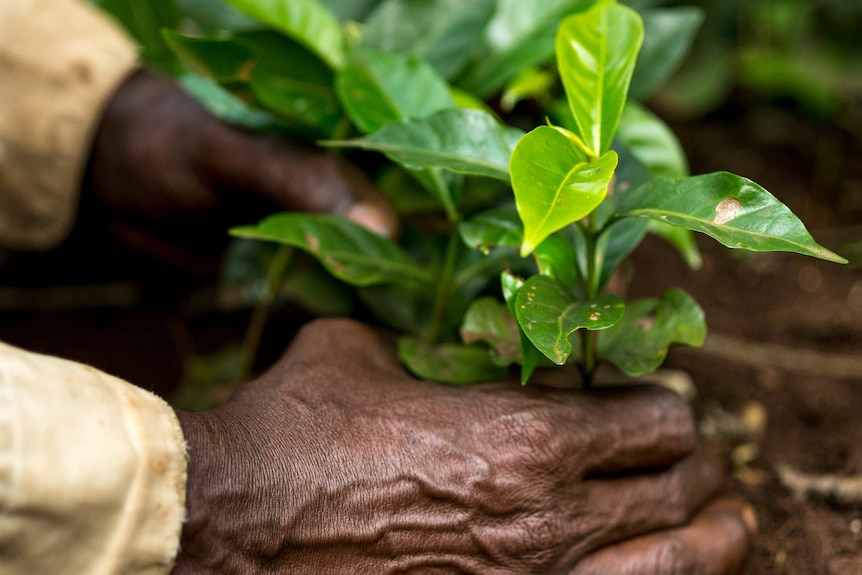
142 332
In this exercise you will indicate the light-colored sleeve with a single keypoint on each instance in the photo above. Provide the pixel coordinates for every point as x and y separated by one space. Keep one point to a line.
92 471
59 62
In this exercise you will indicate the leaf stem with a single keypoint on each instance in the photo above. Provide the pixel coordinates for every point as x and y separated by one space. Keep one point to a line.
443 289
260 313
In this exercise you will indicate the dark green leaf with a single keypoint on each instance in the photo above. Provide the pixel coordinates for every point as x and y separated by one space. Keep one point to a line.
376 89
224 105
519 35
638 344
554 183
454 364
549 315
307 21
596 53
444 33
615 245
731 209
349 252
557 260
652 142
297 98
144 20
495 228
463 141
356 10
668 34
214 17
530 356
489 321
221 59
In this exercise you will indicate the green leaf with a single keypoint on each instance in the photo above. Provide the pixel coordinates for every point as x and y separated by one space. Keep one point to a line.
519 35
549 315
299 97
356 10
221 59
556 259
638 344
444 33
528 83
224 105
530 356
616 244
307 21
455 364
596 53
376 89
733 210
348 251
668 34
489 321
144 20
492 229
652 142
554 183
463 141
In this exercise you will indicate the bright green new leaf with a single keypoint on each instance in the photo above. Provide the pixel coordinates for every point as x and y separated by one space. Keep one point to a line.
492 229
453 363
729 208
668 34
489 321
596 53
463 141
307 21
530 356
549 315
638 344
221 59
444 33
349 252
652 142
377 88
554 183
519 35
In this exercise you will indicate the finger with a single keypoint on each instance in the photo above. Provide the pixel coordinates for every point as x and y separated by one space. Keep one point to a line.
639 427
628 506
716 542
297 178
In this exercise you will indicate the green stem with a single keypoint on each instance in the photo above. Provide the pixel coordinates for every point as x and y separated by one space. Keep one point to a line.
260 313
443 289
588 338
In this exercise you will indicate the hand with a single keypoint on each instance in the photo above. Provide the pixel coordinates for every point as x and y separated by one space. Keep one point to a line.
337 461
161 162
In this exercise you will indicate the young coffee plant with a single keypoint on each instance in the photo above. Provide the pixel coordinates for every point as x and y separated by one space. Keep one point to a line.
509 239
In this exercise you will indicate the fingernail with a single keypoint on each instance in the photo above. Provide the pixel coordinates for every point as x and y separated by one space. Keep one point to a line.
749 517
372 218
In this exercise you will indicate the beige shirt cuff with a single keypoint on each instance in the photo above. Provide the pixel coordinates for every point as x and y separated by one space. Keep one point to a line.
59 62
92 471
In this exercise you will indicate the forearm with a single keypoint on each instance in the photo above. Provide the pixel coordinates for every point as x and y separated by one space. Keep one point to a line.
59 62
93 471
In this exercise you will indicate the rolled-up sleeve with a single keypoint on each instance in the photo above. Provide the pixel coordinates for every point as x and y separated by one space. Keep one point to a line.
59 62
92 471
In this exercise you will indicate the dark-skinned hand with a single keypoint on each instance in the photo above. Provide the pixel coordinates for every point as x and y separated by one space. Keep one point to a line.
165 171
337 461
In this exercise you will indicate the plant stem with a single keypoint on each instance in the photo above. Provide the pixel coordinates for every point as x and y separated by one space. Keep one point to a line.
588 338
260 313
443 289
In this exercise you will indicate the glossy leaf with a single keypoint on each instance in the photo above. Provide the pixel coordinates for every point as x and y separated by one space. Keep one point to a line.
492 229
549 315
463 141
444 33
668 34
530 356
455 364
377 88
652 142
489 321
554 183
349 252
731 209
638 344
518 36
307 21
219 58
596 53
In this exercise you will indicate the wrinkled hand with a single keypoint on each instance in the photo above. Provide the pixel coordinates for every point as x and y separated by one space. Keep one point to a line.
337 461
162 161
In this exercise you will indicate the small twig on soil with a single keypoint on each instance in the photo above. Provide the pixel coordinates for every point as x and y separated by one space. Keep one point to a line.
844 491
791 358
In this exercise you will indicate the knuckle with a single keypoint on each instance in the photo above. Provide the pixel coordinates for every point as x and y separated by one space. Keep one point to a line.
675 557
